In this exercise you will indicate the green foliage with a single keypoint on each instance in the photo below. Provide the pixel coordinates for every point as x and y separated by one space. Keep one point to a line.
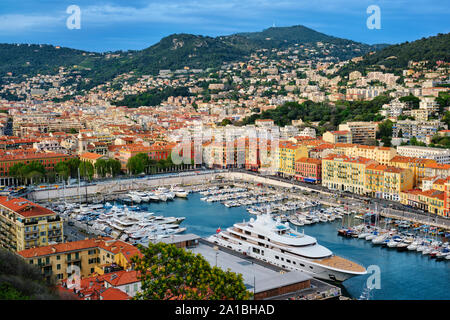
446 118
335 115
411 100
440 142
138 163
107 167
34 171
225 122
22 281
397 57
385 129
86 170
414 142
443 101
168 272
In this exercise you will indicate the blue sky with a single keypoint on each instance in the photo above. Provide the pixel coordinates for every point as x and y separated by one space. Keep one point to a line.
136 24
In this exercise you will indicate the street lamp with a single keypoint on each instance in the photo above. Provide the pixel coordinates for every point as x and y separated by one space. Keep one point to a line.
216 248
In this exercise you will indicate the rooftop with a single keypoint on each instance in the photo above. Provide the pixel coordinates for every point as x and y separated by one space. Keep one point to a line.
24 207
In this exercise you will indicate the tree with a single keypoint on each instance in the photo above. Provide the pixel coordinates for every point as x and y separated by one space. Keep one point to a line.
386 141
33 171
21 281
138 163
225 122
16 171
62 169
411 100
168 272
86 170
101 167
114 167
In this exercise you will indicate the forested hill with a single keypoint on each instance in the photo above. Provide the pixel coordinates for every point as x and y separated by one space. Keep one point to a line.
282 36
396 57
173 52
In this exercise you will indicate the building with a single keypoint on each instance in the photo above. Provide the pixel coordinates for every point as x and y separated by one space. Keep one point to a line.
437 154
337 137
287 153
308 170
11 157
89 255
117 285
343 173
386 182
265 123
24 225
380 154
418 129
360 131
92 157
416 165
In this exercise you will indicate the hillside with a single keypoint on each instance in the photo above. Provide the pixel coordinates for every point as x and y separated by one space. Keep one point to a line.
291 35
396 57
173 52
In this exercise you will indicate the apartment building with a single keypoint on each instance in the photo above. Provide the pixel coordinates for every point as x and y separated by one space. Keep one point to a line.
360 131
11 157
286 155
416 165
89 255
437 154
380 154
343 173
337 137
308 170
24 224
386 182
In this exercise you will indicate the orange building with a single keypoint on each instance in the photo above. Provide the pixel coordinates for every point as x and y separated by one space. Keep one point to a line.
26 156
308 170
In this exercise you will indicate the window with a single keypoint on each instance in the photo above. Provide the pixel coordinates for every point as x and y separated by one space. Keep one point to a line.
58 267
276 257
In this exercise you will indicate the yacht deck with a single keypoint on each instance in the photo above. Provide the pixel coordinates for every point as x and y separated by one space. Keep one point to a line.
341 263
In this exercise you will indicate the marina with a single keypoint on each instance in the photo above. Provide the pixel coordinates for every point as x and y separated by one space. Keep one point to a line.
400 268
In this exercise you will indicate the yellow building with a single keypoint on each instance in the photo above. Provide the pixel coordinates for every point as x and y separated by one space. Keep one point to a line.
432 201
90 256
416 165
380 154
343 173
288 152
24 224
387 182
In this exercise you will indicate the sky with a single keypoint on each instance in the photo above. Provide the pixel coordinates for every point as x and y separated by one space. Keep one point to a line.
109 25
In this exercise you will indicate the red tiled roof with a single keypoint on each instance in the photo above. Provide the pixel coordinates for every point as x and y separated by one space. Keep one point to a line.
106 243
123 277
114 294
91 156
24 207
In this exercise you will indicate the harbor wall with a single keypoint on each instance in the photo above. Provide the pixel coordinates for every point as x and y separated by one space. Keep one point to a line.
117 187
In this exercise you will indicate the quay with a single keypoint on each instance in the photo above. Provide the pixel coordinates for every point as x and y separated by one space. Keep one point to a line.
266 281
113 189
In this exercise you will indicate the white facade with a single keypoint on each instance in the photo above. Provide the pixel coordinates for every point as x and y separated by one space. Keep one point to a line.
440 155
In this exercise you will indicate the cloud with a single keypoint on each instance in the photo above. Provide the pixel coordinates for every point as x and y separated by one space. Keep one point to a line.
18 22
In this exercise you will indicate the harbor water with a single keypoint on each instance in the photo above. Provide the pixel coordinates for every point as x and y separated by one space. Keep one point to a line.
403 275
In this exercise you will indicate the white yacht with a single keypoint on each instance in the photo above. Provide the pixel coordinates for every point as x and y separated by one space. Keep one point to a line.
278 244
180 192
